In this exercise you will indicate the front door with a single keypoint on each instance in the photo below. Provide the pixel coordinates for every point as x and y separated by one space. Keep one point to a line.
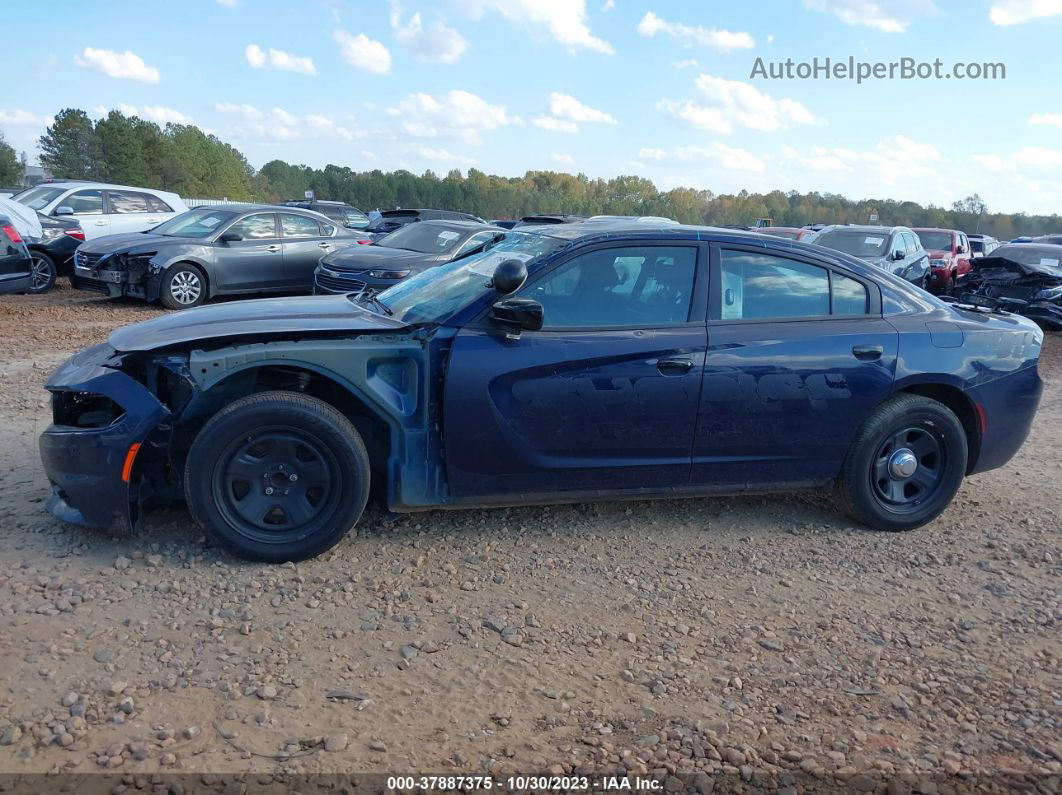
254 263
89 211
602 399
798 356
304 245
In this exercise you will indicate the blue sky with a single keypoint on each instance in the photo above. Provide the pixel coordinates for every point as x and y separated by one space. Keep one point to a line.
604 87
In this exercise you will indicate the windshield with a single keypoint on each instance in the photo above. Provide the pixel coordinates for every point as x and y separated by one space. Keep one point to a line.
850 241
935 241
436 293
194 223
423 238
975 245
38 198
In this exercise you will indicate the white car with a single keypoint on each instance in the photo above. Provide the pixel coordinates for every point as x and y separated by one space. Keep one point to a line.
103 209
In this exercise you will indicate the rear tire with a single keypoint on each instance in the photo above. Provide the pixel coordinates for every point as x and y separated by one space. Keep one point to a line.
904 465
277 476
183 287
42 273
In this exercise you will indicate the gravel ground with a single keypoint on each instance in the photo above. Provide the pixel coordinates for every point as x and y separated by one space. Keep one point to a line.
765 639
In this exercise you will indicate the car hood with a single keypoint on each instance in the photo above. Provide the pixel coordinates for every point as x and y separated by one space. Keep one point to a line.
132 242
361 257
266 318
936 253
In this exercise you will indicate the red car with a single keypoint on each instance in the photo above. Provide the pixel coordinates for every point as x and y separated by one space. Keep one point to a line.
949 257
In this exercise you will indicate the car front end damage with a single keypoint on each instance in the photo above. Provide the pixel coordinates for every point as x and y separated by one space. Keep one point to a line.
1034 291
138 274
110 417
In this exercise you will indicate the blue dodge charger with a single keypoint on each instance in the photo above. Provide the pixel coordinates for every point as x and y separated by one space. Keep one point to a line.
588 361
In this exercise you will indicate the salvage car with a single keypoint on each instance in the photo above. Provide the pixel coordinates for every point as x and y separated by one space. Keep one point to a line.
1021 277
53 253
569 362
892 248
408 250
390 220
339 212
15 261
234 249
949 256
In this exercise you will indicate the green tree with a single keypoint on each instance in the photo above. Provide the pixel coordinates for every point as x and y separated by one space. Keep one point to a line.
11 169
70 148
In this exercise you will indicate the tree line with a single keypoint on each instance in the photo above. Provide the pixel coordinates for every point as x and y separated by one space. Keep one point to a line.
184 159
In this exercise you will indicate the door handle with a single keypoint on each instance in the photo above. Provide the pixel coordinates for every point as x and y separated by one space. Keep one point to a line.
153 220
273 248
674 366
101 223
867 353
324 245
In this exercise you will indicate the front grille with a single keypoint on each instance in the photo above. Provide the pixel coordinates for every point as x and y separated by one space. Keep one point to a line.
88 284
84 259
335 281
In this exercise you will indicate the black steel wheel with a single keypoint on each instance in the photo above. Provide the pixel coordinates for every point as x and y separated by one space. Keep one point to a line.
277 476
904 465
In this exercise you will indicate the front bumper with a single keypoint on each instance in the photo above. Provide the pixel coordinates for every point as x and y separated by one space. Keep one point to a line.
939 278
331 281
84 464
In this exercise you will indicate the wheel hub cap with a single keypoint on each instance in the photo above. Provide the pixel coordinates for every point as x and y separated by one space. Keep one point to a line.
185 288
902 464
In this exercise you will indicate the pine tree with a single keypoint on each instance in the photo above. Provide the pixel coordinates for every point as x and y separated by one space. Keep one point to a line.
70 148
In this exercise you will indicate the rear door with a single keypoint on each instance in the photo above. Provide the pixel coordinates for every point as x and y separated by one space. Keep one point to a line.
254 263
798 356
130 211
304 244
90 211
602 399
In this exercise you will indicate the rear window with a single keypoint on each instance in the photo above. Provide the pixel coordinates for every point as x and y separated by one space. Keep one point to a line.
854 242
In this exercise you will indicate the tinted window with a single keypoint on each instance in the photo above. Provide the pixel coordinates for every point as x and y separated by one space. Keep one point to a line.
256 227
157 205
849 296
763 286
646 286
299 226
127 201
85 202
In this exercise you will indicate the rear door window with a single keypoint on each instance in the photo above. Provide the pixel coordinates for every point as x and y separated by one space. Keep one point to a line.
296 226
123 202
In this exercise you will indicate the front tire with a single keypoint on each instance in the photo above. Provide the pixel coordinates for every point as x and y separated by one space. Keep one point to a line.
183 287
277 476
904 465
42 273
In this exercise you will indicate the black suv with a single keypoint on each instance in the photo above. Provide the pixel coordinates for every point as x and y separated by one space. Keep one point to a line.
340 212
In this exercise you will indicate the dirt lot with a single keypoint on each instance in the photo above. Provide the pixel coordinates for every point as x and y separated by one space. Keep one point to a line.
764 638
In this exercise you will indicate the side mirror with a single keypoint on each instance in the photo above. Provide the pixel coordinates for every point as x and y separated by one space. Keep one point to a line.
518 313
231 237
63 210
509 276
898 255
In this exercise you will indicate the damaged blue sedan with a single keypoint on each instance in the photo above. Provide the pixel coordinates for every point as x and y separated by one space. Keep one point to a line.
590 361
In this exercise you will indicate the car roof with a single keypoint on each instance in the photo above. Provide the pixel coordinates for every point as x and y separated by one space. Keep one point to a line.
783 228
866 228
460 223
83 184
246 207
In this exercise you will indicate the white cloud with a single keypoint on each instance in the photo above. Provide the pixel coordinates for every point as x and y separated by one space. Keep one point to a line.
459 114
363 52
888 16
277 124
121 65
1052 119
17 116
687 63
278 59
564 20
247 111
229 3
156 113
565 106
1014 12
717 154
722 105
691 35
562 159
867 168
443 156
609 5
436 43
555 125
